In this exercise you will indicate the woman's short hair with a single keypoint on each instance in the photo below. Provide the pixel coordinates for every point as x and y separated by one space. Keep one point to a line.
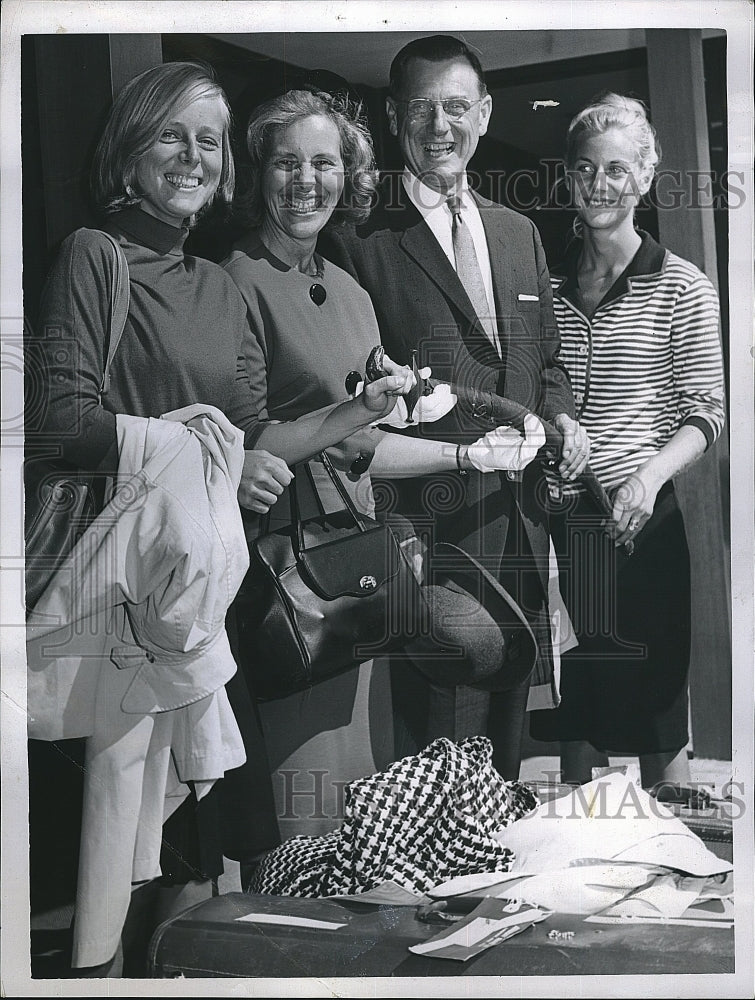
607 111
360 175
139 114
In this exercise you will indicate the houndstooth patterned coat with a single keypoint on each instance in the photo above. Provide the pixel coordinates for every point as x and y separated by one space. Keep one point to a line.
424 820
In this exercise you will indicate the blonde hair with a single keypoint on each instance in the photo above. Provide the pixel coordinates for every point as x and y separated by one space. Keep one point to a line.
139 114
607 111
360 175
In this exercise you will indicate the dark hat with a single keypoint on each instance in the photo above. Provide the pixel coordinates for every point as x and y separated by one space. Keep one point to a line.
477 634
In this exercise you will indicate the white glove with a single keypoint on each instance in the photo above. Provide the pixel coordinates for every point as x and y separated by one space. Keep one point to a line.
427 409
506 448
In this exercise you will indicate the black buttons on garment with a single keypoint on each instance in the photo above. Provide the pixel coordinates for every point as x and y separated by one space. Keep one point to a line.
318 294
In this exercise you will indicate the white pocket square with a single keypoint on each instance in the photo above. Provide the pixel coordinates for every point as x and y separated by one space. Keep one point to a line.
527 298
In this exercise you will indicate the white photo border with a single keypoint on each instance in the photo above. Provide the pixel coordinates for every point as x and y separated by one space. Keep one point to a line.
114 16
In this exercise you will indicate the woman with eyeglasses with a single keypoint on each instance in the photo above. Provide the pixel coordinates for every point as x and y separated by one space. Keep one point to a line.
310 325
639 335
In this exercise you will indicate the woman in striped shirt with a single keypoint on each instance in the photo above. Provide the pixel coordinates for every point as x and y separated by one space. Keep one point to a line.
639 333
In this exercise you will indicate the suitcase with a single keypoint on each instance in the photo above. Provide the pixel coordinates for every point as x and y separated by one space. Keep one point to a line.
217 938
242 935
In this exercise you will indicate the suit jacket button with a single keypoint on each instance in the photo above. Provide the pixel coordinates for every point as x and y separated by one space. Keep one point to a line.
510 474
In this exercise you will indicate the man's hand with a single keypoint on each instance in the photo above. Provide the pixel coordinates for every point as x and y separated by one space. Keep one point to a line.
263 479
576 449
505 448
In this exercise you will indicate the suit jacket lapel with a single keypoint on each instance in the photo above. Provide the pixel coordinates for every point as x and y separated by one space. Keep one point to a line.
419 243
501 260
502 268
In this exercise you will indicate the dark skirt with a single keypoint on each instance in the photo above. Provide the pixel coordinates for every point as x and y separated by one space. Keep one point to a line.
624 687
237 818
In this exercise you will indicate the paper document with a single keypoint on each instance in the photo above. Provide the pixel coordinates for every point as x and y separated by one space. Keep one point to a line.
581 888
490 923
609 819
288 920
710 913
386 894
674 899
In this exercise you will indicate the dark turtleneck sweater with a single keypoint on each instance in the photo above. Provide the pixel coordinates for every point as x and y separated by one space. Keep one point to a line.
181 343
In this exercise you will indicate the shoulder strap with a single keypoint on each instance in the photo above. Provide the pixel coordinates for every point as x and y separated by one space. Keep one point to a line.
119 305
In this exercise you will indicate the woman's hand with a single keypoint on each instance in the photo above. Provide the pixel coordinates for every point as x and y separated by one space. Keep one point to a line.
359 446
576 447
380 396
634 504
263 479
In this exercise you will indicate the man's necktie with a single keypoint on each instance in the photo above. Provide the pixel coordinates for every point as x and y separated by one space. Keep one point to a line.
468 269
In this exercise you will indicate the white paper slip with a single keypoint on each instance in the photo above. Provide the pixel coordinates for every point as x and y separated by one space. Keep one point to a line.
460 884
665 921
492 922
386 894
702 913
669 895
527 298
290 921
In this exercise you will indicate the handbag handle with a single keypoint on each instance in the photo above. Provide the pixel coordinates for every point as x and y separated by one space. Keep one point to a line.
348 503
342 491
119 306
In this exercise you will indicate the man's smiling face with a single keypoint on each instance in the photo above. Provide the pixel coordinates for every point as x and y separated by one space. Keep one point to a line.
437 149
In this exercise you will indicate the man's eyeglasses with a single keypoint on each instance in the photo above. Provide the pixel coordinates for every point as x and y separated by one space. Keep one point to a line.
420 109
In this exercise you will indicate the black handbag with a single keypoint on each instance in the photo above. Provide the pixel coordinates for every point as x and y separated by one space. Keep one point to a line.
322 596
68 501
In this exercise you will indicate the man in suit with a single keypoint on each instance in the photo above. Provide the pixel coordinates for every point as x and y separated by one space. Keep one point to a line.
463 282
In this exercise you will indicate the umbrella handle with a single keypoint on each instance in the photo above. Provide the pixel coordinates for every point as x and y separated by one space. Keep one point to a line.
490 408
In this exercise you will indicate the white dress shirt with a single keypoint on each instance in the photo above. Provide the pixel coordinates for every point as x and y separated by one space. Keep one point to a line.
432 207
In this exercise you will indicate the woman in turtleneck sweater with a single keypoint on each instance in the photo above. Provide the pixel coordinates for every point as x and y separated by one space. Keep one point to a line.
163 159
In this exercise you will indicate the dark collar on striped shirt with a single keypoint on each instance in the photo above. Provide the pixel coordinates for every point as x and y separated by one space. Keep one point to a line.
648 260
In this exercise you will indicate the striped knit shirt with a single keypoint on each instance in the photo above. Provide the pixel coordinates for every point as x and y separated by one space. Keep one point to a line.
648 362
